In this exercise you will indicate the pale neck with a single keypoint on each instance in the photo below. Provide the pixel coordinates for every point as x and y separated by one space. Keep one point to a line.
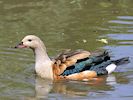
43 64
41 55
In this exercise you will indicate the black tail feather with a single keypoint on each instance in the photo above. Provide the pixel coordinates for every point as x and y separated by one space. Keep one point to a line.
103 56
121 61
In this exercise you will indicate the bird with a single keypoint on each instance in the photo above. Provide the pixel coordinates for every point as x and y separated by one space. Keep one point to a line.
70 64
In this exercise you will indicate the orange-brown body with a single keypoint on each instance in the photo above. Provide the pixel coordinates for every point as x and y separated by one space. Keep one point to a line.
59 67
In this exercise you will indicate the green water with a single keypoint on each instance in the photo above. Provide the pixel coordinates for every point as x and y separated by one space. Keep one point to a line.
65 24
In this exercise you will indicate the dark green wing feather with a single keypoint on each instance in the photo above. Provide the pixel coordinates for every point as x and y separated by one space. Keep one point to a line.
87 63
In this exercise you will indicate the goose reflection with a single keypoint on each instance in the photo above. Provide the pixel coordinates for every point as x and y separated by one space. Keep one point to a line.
77 88
42 87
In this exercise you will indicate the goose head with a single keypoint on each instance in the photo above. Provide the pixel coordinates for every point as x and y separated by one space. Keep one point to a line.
30 41
43 64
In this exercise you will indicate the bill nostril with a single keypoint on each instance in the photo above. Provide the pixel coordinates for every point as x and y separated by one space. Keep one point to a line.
21 43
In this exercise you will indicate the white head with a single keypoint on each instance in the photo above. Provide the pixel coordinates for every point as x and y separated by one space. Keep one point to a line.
30 41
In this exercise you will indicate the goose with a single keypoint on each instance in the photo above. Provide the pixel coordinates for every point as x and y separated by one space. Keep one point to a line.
70 65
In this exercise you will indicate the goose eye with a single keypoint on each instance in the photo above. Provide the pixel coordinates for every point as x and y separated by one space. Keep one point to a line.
29 40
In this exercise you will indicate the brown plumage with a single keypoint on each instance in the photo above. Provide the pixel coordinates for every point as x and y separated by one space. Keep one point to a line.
67 59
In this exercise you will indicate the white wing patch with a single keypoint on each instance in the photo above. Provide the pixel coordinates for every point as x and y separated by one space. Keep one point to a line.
110 68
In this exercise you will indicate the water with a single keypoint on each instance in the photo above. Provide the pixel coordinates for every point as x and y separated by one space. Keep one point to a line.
65 24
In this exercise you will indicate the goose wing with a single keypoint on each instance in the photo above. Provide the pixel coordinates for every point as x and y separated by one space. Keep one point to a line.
87 63
67 59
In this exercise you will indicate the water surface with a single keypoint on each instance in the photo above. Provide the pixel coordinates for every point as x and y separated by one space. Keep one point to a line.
65 24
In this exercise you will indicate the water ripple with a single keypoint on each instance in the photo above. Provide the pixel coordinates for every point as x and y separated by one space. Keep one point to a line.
121 22
10 53
120 36
127 20
125 17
